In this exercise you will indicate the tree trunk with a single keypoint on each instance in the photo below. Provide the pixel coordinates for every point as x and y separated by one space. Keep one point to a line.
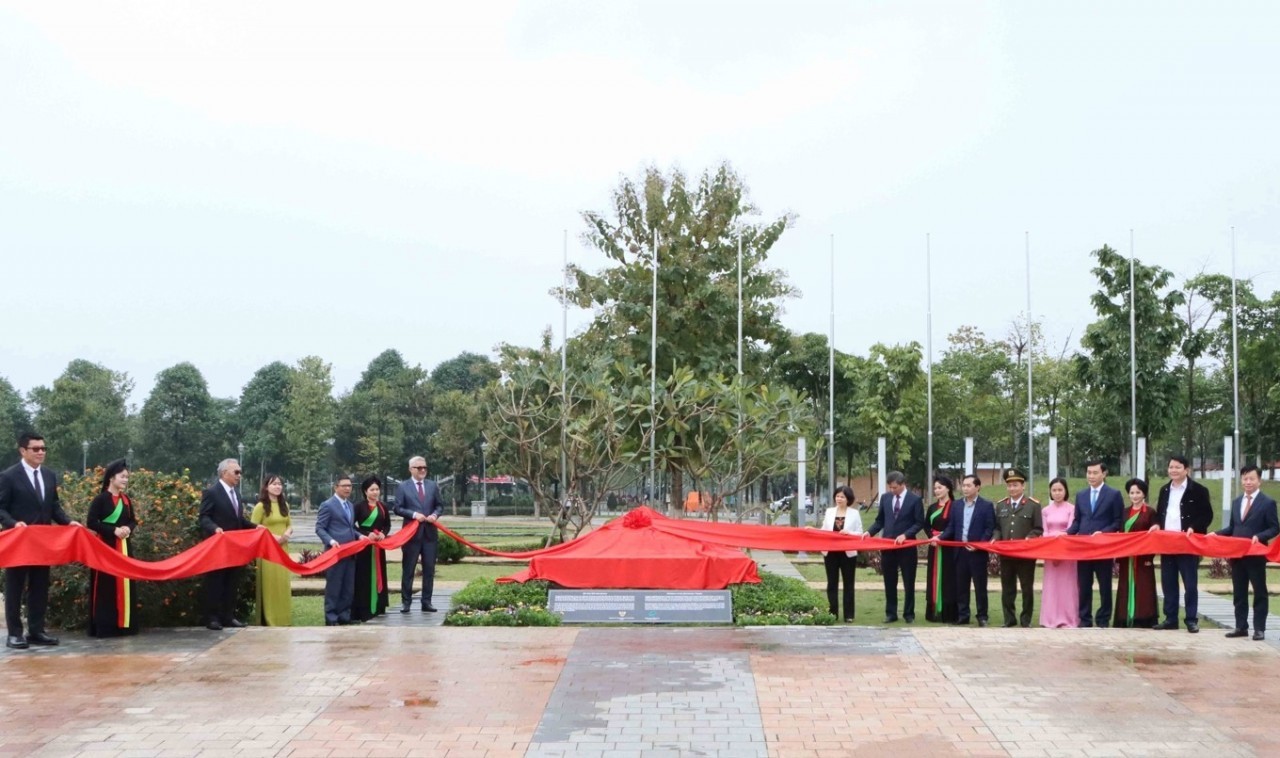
676 477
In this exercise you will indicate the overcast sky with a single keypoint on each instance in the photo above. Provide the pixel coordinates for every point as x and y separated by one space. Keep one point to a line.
232 183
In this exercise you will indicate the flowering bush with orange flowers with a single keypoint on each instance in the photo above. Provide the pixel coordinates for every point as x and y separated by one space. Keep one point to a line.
167 507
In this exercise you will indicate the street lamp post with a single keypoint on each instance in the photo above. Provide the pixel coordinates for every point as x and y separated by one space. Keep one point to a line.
240 460
84 459
130 454
484 484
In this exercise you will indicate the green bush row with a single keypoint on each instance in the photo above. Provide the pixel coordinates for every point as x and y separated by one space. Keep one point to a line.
775 601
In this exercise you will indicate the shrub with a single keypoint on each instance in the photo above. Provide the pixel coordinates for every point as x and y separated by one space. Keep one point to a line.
777 600
484 602
1219 569
167 508
450 550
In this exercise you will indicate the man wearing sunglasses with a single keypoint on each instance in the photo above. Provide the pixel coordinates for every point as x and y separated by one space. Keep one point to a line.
29 496
221 511
418 499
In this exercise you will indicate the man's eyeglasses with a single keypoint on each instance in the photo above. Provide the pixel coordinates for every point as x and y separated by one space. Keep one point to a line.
40 449
418 468
236 472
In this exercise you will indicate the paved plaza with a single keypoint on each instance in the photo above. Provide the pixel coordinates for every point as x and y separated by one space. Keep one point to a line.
382 690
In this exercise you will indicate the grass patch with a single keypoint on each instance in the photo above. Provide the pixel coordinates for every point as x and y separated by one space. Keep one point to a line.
483 602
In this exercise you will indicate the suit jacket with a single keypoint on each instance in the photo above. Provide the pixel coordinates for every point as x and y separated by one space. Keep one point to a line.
218 512
1018 523
852 525
408 503
1261 521
982 525
19 501
1197 507
1105 518
910 520
333 523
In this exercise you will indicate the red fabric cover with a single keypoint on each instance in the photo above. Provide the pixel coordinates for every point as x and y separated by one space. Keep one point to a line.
629 553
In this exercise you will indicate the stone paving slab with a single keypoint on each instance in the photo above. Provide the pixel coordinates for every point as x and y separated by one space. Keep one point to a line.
381 690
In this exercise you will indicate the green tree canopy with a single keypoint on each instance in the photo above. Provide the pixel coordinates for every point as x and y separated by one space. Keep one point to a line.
85 404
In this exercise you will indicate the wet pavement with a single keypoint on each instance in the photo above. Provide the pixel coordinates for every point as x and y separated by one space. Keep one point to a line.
781 691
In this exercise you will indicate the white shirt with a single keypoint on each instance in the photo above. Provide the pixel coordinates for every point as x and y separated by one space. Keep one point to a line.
1173 516
31 477
231 494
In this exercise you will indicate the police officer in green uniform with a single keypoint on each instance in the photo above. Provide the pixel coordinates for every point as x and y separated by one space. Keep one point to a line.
1017 518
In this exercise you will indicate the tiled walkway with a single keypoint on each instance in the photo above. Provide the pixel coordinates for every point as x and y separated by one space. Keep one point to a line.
781 691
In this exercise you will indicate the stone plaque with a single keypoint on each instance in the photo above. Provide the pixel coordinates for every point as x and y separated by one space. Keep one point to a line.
643 606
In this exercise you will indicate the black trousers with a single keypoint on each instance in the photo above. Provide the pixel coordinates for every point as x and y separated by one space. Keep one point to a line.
840 567
1086 572
904 561
34 580
1250 571
220 594
1187 567
1015 573
416 550
339 590
971 572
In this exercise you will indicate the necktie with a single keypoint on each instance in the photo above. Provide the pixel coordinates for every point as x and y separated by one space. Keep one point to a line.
1248 501
39 485
422 495
235 501
346 508
897 505
1093 501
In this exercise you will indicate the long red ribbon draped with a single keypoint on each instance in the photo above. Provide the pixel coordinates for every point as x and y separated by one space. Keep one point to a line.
57 545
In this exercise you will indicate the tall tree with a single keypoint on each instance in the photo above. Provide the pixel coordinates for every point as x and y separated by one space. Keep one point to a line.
697 229
14 420
466 372
1104 367
894 403
459 418
180 424
384 421
309 418
85 404
1208 297
259 417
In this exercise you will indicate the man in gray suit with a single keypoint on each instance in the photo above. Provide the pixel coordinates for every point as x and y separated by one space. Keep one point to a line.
336 525
418 499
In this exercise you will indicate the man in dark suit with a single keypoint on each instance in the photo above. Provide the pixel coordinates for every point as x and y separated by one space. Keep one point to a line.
976 522
418 499
1183 506
220 511
336 525
1098 511
900 518
1018 517
1253 517
29 495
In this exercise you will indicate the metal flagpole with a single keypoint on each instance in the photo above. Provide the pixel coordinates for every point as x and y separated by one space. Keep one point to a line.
653 379
1031 343
928 366
564 374
738 439
831 389
1133 362
1235 367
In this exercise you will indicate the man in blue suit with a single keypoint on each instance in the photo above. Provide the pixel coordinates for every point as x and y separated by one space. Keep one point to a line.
1253 516
336 525
900 518
1098 511
976 522
418 499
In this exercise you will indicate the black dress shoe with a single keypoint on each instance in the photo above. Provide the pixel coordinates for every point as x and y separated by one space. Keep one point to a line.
1086 625
17 643
1238 633
982 623
1167 626
1193 626
404 609
214 626
428 609
41 638
331 623
909 619
235 624
960 622
1259 636
1010 624
1025 625
890 619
